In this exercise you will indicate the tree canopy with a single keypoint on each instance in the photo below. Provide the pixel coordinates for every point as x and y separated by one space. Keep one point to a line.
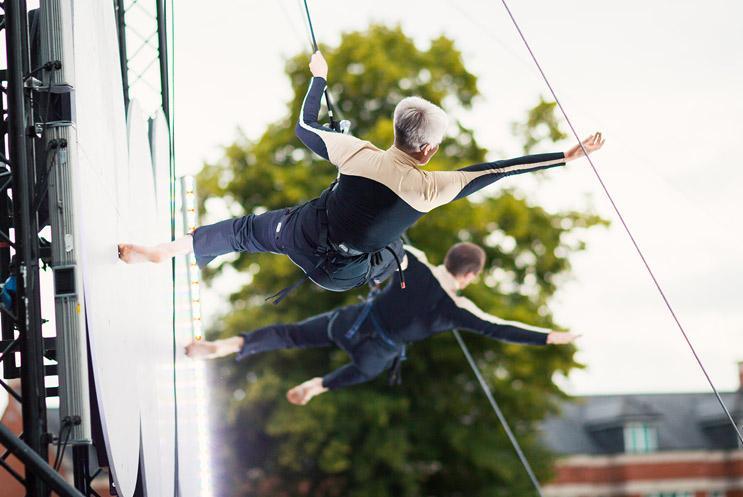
434 434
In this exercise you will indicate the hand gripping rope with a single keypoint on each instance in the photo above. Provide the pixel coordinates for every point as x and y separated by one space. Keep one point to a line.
344 126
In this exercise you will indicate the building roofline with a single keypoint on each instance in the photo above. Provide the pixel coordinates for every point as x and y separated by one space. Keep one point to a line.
649 394
651 457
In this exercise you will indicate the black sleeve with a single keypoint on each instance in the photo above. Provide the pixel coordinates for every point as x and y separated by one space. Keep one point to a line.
487 173
464 314
308 129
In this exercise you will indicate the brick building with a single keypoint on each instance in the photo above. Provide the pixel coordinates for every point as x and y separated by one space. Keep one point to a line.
647 445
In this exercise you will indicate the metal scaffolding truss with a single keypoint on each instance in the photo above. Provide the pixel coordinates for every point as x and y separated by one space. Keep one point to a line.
143 50
37 109
23 188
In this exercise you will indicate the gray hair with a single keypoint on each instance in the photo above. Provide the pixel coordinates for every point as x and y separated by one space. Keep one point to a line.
418 122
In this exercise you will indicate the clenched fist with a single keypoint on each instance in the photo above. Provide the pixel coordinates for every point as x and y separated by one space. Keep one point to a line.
318 66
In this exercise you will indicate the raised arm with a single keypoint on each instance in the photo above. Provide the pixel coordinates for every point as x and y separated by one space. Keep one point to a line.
308 129
328 144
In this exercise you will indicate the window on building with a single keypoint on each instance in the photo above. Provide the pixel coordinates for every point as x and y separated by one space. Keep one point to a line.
641 438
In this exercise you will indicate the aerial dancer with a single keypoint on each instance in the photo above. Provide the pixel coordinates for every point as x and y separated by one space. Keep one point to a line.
374 333
350 234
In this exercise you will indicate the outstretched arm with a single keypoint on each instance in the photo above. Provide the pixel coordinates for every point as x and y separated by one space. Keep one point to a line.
328 144
479 176
453 185
467 315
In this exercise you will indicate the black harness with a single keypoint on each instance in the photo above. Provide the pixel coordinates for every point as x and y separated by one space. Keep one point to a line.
333 256
394 376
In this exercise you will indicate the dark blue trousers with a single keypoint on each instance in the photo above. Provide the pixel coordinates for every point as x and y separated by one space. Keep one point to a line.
297 233
370 354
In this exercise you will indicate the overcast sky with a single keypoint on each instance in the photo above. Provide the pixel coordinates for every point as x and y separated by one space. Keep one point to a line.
662 80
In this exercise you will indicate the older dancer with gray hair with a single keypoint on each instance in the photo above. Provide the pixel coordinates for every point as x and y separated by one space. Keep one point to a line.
350 234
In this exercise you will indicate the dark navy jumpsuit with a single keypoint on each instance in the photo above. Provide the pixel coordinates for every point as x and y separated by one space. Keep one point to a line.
375 333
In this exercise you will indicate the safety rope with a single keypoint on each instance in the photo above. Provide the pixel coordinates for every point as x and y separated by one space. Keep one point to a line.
328 102
498 412
172 191
489 394
625 225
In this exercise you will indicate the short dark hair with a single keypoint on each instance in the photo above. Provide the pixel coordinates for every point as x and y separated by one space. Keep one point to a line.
464 258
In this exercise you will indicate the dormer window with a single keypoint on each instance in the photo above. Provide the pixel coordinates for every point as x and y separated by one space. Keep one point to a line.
640 438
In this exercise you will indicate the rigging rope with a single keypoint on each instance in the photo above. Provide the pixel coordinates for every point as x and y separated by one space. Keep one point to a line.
172 190
328 102
625 225
489 394
498 412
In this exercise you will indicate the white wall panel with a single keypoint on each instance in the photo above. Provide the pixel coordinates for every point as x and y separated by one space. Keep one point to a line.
101 214
128 306
158 415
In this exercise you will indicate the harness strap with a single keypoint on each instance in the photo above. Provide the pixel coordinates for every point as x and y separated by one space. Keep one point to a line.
329 327
363 314
394 377
324 245
281 294
359 319
379 330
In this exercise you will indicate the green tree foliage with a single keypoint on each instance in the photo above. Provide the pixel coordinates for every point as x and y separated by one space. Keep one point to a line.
541 124
434 435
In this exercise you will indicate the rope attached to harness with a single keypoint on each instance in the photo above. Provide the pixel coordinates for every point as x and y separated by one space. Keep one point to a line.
498 413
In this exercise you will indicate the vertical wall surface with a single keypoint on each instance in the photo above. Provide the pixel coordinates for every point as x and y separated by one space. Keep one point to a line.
128 307
157 404
109 287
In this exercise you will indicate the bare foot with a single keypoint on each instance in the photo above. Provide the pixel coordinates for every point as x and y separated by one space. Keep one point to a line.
298 395
134 254
301 394
201 349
